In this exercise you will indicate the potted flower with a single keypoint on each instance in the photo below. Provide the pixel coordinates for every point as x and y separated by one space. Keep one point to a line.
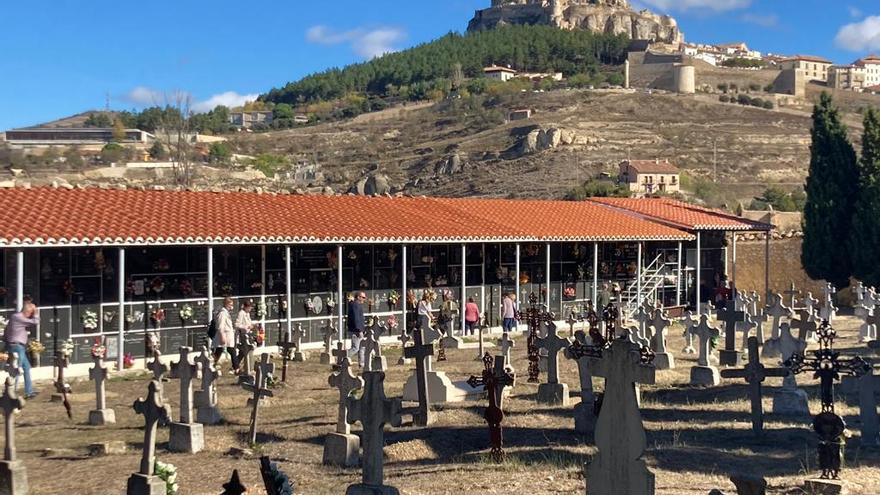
186 313
89 320
34 349
167 472
99 350
392 322
393 299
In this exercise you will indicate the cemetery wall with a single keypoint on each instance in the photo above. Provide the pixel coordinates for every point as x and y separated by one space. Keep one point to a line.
785 266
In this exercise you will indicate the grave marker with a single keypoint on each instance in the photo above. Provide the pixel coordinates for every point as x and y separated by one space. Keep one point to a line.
584 412
186 435
260 391
755 373
157 367
373 410
154 410
730 355
869 386
746 327
375 361
285 345
13 475
12 367
341 448
689 321
553 392
299 355
62 388
663 359
328 332
404 339
421 352
207 411
506 344
704 374
496 376
101 415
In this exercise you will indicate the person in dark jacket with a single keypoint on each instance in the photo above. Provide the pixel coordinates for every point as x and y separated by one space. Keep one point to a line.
356 324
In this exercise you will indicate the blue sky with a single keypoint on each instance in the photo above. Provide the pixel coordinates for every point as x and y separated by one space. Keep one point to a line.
60 57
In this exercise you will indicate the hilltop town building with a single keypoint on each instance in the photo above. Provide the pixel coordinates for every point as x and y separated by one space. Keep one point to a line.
42 137
847 77
871 64
499 73
649 176
248 119
815 68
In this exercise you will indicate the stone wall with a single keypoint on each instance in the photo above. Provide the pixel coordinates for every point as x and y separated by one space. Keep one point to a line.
785 266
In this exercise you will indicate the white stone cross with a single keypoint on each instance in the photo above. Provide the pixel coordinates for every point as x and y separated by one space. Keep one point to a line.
777 311
788 346
705 333
859 290
11 404
828 310
584 420
186 372
632 333
12 366
553 343
620 467
298 335
373 410
754 301
372 352
746 328
209 373
869 386
346 383
506 344
421 352
327 333
642 317
158 368
689 322
266 368
659 322
809 303
98 373
154 410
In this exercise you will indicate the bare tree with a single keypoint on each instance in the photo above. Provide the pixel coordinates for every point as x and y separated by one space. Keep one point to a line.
176 135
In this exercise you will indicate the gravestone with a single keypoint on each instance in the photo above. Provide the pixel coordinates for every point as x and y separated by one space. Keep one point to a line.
157 367
375 361
259 392
299 355
553 392
584 411
328 333
373 410
789 399
704 374
730 355
496 376
154 409
245 351
404 339
421 352
340 353
828 311
619 467
642 317
792 294
506 344
868 328
749 484
267 370
186 435
102 415
663 359
632 333
755 373
207 411
13 474
776 312
341 448
689 322
746 327
62 388
869 387
285 345
808 303
12 367
806 324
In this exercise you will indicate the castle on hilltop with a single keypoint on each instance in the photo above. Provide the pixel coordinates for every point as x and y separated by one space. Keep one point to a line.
601 16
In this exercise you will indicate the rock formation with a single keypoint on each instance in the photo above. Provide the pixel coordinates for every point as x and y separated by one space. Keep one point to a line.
601 16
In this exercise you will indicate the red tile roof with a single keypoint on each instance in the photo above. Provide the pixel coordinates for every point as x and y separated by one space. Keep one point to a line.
46 216
651 166
808 58
682 215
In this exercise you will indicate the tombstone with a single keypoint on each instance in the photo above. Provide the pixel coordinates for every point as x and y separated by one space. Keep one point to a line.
327 335
404 339
12 367
789 399
755 373
285 345
275 481
207 411
553 392
760 319
792 294
749 484
868 328
689 322
62 388
13 475
497 375
154 409
806 325
632 333
102 415
245 351
341 448
375 361
373 410
186 435
157 367
340 353
828 311
746 328
643 317
421 352
441 388
663 359
704 374
730 355
506 344
776 311
584 411
869 387
299 355
619 467
267 370
808 303
259 393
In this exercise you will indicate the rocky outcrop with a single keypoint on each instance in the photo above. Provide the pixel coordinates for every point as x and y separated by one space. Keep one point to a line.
601 16
550 138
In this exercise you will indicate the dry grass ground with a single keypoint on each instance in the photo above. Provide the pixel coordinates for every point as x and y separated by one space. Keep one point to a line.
696 438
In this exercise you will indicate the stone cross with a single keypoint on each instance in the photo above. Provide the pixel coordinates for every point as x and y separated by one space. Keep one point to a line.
101 415
806 325
642 317
506 344
777 311
206 398
746 327
61 386
730 355
328 332
186 373
298 334
705 333
266 368
809 303
158 368
372 353
496 376
620 467
404 339
584 418
154 410
689 322
789 346
285 345
553 344
373 410
859 290
421 351
663 360
792 294
11 405
345 381
760 318
12 366
259 392
828 310
869 387
755 373
340 353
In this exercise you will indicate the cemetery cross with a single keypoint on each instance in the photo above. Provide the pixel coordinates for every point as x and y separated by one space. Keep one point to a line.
285 345
729 355
11 404
496 375
421 351
373 410
258 388
755 373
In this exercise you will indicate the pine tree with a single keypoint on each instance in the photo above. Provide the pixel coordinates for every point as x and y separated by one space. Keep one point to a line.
831 190
864 239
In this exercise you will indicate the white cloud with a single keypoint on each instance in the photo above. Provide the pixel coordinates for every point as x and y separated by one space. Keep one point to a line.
860 36
712 5
367 43
763 20
854 12
144 96
228 99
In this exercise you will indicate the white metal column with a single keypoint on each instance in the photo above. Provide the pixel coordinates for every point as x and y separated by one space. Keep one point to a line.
547 278
483 283
210 283
733 264
639 260
288 279
120 346
19 279
340 302
403 298
678 277
697 276
767 267
596 278
516 279
263 284
463 286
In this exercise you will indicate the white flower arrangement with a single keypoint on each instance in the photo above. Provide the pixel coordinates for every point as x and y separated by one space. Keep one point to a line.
186 312
168 473
134 317
89 320
67 347
261 310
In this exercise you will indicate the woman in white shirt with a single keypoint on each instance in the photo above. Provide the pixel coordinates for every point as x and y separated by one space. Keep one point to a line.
243 323
425 309
224 338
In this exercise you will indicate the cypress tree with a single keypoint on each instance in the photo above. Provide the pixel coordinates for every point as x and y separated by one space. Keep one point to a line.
864 239
831 191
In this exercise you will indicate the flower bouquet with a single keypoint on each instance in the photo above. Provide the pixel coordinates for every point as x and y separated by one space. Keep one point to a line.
259 335
99 350
34 349
134 317
127 361
261 310
393 299
157 317
67 347
186 312
157 285
569 292
108 316
89 320
168 473
392 322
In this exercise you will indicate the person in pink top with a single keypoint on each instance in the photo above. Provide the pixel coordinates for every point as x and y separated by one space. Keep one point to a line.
471 316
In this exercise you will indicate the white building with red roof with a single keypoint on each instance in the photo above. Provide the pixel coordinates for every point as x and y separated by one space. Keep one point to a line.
649 176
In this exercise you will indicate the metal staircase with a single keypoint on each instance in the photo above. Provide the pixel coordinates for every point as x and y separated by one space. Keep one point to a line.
652 279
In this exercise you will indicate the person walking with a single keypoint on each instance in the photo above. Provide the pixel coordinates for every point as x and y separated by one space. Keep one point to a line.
224 336
425 310
16 336
508 312
244 326
356 324
471 316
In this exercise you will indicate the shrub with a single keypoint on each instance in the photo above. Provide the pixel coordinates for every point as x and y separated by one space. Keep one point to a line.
724 99
597 188
754 87
768 104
